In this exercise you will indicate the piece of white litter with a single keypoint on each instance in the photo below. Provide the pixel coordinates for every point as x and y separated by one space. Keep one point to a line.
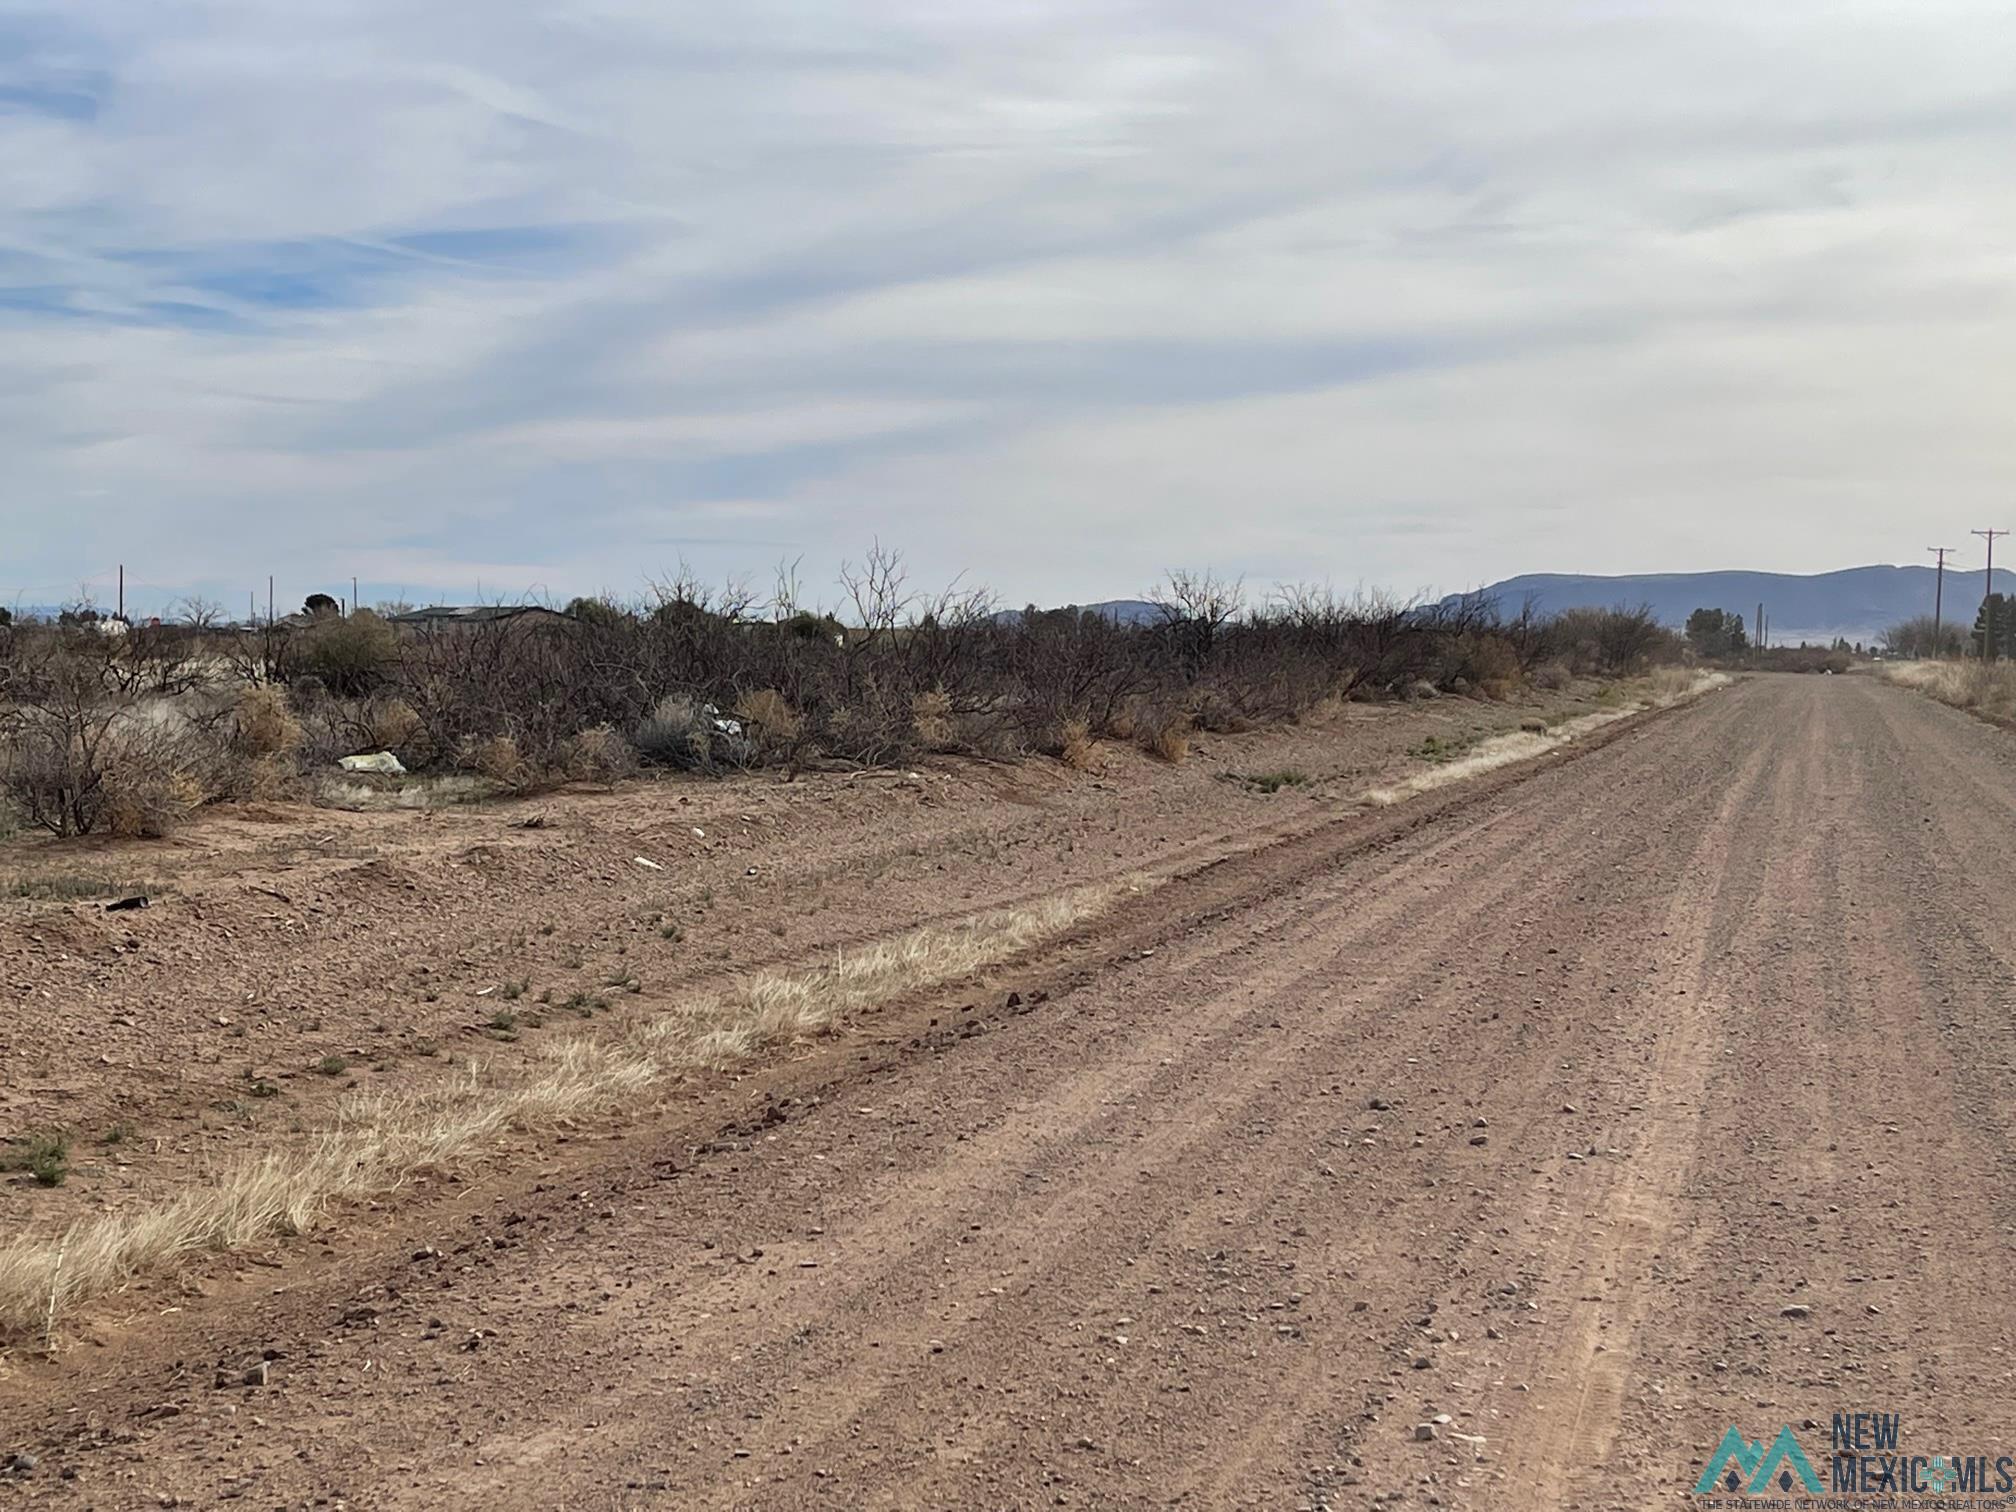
641 861
699 833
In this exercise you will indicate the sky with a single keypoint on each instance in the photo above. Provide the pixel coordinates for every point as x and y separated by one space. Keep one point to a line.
493 298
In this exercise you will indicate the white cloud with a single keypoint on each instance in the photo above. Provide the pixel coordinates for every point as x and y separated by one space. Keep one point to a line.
1059 295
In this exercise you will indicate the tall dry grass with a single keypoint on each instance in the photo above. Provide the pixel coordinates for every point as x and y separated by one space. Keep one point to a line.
1986 689
377 1142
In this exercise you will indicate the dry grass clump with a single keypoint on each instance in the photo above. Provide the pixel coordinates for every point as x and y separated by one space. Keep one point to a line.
377 1142
1075 746
778 1006
147 799
931 718
1165 733
768 718
267 723
391 723
598 754
497 759
1987 689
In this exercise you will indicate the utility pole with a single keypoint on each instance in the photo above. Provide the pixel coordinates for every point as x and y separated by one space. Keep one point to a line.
1938 595
353 593
122 590
1988 596
269 600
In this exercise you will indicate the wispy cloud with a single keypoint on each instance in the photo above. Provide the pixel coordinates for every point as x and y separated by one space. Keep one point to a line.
1054 294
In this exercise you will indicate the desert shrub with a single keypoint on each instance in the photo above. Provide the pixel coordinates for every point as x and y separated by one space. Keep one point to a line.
521 697
267 726
598 754
1489 664
149 798
1210 708
44 1156
390 723
675 734
1553 676
350 657
95 770
1611 642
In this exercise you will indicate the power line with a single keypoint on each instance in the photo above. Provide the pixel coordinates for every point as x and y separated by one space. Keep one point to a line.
1988 595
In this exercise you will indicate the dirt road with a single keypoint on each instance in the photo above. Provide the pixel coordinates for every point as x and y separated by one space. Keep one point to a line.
1571 1116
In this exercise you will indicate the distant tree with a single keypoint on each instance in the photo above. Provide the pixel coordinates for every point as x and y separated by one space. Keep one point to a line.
2000 610
596 611
319 604
1919 639
350 656
199 613
6 617
1192 608
1716 634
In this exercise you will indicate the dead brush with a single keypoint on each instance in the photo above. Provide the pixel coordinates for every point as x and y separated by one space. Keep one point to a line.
379 1140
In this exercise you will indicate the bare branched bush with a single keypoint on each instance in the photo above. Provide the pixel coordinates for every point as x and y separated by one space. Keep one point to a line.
702 679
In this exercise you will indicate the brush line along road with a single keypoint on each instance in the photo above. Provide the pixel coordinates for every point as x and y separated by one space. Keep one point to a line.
1504 1149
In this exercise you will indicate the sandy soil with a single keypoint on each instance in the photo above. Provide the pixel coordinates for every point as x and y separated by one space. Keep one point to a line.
1568 1117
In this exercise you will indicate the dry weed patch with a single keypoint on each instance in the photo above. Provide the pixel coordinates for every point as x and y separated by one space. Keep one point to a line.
378 1141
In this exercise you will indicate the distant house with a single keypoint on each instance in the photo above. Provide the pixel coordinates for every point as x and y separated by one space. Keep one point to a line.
479 615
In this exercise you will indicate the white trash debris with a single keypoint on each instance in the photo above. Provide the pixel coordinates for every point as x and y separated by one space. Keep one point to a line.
642 861
383 762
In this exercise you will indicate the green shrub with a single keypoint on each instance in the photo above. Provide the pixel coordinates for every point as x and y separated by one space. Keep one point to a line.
44 1155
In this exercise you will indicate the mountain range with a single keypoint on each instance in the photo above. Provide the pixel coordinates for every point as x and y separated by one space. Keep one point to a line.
1856 604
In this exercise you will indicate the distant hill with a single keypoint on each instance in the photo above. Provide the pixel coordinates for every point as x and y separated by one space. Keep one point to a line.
1120 611
1859 603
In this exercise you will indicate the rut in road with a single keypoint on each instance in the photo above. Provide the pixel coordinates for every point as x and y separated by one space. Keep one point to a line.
1532 1109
